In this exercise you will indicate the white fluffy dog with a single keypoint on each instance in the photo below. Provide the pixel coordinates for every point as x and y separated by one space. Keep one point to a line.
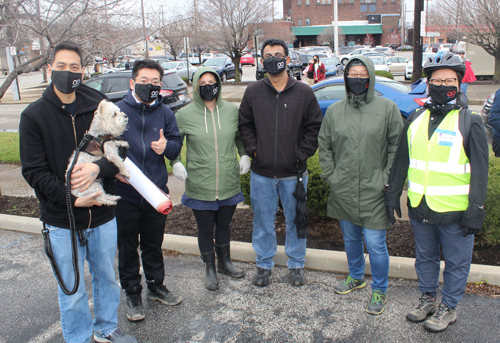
109 122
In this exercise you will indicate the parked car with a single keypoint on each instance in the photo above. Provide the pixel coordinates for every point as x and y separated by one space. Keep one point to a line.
409 65
357 52
344 50
224 66
332 66
305 58
294 67
384 50
379 61
407 97
407 47
181 67
435 47
247 59
485 114
192 58
174 91
397 65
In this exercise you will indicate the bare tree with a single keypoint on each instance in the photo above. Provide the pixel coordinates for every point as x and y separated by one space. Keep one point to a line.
279 30
173 33
328 37
479 22
232 24
369 39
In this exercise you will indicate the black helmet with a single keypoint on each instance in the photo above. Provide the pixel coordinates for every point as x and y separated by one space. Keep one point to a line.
448 60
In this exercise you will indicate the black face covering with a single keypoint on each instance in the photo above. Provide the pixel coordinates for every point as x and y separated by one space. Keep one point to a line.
315 60
65 81
147 92
357 85
442 94
275 66
208 92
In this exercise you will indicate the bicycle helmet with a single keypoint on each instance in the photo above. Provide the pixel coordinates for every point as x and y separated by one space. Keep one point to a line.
448 60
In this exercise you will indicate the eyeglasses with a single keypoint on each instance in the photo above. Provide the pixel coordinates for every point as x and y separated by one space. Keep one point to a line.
361 75
277 55
447 82
203 83
154 82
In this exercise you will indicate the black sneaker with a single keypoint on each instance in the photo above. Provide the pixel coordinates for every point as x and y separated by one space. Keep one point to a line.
261 278
443 317
349 285
135 311
297 277
426 305
162 294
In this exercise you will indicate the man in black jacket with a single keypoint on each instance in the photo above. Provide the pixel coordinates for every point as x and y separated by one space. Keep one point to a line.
50 130
279 124
444 153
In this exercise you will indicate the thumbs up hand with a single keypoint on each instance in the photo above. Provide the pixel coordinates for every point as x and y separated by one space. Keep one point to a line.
160 145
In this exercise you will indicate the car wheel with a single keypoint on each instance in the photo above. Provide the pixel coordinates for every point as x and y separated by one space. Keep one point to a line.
299 75
253 65
344 61
406 77
224 77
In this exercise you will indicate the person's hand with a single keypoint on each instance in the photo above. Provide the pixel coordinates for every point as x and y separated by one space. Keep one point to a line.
83 175
88 201
244 164
390 213
121 178
255 154
159 145
469 231
180 172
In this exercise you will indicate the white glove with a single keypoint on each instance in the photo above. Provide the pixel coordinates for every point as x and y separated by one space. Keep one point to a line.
180 172
244 164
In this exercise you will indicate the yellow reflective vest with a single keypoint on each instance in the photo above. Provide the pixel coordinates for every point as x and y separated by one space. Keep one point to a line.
439 167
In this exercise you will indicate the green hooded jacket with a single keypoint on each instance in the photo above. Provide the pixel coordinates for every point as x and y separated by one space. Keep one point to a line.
211 142
357 142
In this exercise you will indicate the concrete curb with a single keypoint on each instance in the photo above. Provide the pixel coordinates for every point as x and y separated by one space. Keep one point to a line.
316 259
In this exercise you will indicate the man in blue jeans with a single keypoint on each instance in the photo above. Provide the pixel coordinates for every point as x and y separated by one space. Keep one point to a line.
50 130
279 124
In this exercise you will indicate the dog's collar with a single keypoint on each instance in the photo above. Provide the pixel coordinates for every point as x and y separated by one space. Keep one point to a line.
95 145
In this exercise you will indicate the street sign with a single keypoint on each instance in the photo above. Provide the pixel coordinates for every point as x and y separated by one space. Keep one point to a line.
422 24
13 50
35 44
433 34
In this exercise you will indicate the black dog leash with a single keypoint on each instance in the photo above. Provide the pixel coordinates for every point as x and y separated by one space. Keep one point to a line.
72 226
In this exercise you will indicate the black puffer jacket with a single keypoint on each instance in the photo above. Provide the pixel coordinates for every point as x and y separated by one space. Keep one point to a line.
48 135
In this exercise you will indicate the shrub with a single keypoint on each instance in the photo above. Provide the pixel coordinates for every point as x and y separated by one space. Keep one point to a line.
185 79
490 234
95 74
384 74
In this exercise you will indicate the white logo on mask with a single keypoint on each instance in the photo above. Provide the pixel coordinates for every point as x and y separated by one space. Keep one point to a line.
281 65
76 83
154 94
215 91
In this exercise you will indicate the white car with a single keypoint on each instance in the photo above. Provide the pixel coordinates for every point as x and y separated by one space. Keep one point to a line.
380 63
357 52
181 68
397 65
409 65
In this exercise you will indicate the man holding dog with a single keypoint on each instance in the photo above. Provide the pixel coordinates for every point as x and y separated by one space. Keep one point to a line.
152 135
49 132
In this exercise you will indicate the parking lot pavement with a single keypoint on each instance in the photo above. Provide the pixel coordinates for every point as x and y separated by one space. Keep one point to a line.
238 312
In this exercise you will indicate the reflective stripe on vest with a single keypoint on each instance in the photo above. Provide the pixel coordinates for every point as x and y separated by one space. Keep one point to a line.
439 167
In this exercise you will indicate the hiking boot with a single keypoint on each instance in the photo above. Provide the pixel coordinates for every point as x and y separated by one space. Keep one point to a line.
377 302
297 277
426 305
135 312
115 337
261 279
349 285
443 317
162 294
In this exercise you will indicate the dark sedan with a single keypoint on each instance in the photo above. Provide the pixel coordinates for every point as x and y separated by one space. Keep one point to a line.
223 66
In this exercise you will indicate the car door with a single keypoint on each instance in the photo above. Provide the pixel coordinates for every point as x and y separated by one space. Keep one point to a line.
182 69
230 70
329 94
116 87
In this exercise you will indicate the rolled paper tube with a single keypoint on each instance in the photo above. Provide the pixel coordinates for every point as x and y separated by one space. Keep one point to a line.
149 191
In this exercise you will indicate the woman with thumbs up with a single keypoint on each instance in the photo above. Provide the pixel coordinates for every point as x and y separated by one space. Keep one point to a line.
152 134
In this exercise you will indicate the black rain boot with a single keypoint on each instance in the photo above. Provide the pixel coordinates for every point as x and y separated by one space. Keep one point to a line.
224 263
211 282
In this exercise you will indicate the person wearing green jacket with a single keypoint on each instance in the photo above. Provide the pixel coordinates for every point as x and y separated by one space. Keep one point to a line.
210 126
357 142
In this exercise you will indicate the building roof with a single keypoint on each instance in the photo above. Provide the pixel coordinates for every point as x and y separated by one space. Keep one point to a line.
344 29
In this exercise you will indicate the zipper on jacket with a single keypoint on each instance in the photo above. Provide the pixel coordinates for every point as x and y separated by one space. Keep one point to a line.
143 144
74 129
284 119
216 158
276 136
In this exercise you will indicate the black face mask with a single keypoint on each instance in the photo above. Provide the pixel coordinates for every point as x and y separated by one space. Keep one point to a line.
357 85
208 92
275 66
442 94
147 92
65 81
315 60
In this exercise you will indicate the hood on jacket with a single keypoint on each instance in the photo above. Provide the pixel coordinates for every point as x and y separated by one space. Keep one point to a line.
365 98
196 94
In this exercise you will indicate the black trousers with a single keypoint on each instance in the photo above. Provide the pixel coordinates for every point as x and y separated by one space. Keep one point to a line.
134 220
206 220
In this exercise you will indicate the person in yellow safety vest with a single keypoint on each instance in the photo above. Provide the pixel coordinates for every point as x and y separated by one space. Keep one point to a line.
444 154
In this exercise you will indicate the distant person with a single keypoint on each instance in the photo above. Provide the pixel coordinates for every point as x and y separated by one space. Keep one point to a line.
210 126
127 65
309 73
319 69
357 142
469 74
279 124
494 121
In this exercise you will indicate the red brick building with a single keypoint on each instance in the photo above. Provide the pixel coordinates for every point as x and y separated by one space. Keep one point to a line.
357 18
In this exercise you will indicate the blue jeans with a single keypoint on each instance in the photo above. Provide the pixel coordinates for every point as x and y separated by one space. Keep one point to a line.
264 195
100 251
463 88
457 253
377 250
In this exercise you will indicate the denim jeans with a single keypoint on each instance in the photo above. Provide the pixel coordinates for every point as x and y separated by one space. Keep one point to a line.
377 250
100 251
264 195
463 87
457 253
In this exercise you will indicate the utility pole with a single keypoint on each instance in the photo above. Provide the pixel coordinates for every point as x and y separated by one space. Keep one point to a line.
336 27
272 2
146 53
42 49
417 41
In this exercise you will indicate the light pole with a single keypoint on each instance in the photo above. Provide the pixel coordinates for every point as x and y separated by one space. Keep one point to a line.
146 53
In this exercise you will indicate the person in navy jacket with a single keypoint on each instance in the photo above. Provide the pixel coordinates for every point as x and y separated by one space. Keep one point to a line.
494 121
152 134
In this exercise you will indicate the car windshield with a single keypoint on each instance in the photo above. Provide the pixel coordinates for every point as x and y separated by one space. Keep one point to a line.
400 87
377 60
329 61
214 62
169 65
